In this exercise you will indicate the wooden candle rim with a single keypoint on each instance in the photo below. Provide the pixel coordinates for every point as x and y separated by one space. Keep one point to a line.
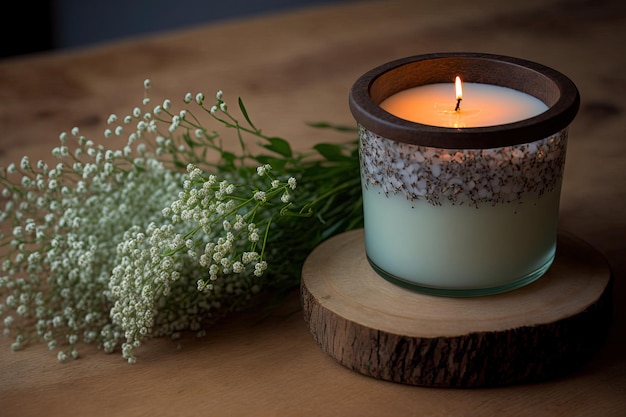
553 88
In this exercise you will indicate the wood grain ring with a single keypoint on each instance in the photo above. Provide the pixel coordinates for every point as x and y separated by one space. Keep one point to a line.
374 327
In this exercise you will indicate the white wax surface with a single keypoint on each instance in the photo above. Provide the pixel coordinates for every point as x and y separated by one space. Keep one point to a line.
482 105
459 247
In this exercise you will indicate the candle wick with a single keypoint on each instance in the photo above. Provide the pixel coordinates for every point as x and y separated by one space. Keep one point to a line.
458 104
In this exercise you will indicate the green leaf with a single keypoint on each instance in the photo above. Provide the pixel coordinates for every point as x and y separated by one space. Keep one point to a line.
331 152
228 159
245 114
279 145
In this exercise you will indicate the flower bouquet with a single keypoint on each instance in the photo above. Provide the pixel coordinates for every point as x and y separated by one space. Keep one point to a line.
162 228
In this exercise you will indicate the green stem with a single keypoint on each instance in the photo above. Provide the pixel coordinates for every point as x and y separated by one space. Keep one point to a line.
309 206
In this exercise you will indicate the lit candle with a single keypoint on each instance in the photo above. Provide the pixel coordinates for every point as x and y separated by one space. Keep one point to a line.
483 105
461 189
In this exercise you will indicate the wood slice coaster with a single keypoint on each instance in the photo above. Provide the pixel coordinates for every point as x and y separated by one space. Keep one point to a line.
382 330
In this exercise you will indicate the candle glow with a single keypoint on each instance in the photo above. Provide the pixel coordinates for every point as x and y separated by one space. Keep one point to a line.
483 105
458 87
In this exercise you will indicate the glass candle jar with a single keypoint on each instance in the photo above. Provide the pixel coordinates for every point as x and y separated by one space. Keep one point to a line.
455 210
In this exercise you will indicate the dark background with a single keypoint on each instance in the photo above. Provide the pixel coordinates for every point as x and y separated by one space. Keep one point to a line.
42 25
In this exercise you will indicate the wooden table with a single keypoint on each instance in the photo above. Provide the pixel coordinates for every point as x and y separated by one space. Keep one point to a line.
293 68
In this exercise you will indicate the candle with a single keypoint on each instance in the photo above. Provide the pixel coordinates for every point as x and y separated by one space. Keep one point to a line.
482 105
461 219
461 189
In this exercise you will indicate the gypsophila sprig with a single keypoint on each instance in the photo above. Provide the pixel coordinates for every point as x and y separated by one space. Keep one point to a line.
65 223
157 229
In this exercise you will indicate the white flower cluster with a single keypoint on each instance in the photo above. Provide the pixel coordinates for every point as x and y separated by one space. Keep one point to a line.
151 238
213 227
65 222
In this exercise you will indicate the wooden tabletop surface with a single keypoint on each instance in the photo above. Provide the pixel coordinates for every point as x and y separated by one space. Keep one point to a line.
293 68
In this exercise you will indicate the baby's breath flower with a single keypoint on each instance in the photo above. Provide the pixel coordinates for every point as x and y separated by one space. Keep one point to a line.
263 169
150 238
175 123
260 268
25 164
238 267
260 196
248 257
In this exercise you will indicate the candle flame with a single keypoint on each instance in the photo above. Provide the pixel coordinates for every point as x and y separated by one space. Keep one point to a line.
459 88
